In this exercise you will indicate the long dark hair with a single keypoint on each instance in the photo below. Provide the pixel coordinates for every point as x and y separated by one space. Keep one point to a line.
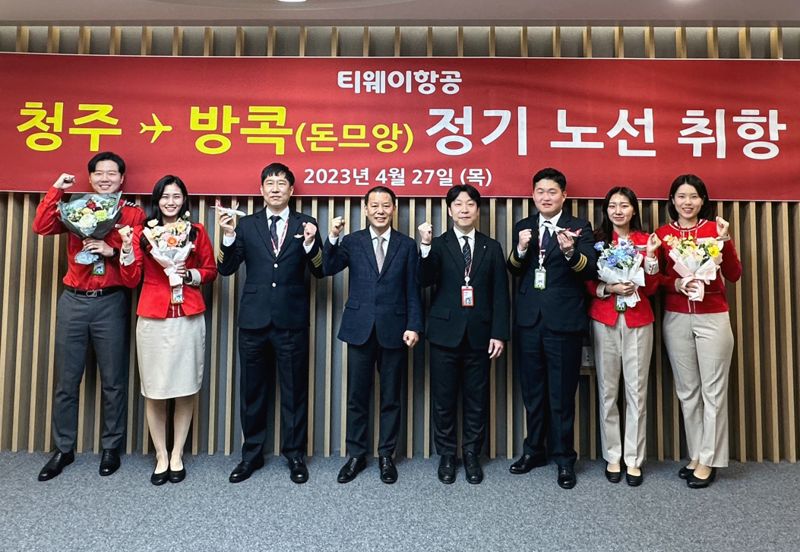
706 211
154 211
606 228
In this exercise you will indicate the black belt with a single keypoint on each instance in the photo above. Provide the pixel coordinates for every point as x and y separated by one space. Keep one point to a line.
94 292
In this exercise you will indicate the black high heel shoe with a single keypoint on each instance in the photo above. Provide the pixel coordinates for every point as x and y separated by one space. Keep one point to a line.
159 478
697 483
177 476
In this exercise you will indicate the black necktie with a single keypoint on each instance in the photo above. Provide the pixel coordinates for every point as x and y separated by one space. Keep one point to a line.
467 253
273 231
545 230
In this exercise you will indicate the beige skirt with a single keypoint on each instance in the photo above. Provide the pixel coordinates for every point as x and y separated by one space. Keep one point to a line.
171 353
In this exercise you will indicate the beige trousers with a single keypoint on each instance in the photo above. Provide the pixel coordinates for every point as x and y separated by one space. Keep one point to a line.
620 349
700 347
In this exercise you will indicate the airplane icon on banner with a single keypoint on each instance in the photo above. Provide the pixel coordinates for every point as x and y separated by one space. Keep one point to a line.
156 128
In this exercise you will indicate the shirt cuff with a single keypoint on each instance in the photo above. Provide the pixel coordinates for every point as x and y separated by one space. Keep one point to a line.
227 241
126 259
424 250
195 274
650 265
521 254
601 291
333 240
308 248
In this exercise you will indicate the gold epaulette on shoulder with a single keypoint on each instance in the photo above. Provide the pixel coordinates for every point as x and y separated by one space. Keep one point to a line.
581 264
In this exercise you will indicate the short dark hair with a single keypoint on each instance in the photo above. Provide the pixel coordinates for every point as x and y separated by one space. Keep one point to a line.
276 169
107 156
551 174
455 191
706 211
379 190
606 228
154 212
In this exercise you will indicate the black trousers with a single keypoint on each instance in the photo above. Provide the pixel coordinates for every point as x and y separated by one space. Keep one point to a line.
466 370
360 362
262 352
102 322
549 367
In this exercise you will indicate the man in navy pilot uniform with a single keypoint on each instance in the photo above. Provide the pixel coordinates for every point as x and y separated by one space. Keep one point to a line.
381 321
279 247
553 256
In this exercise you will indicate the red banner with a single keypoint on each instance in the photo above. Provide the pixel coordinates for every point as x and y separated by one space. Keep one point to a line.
418 125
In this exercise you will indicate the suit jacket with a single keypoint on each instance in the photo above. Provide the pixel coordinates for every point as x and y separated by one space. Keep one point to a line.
276 289
388 301
444 267
156 296
562 304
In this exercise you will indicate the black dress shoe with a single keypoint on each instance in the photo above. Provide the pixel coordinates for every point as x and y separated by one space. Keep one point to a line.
447 469
245 469
351 469
109 462
566 477
159 478
526 463
613 477
388 471
298 472
685 472
177 476
697 483
634 480
57 462
472 467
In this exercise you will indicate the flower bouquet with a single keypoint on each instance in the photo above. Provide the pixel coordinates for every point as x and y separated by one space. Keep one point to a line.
619 263
170 245
91 216
695 258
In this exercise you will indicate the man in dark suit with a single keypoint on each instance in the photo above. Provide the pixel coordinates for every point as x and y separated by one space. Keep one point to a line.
467 327
382 317
553 256
278 246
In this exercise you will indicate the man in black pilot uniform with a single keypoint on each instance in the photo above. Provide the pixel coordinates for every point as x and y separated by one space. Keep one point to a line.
467 327
276 244
553 255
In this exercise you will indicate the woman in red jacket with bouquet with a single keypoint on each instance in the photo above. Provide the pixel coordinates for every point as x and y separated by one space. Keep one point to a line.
175 257
697 254
622 329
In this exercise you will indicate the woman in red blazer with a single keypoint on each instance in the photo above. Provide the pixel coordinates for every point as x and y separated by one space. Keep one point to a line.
170 332
623 340
697 333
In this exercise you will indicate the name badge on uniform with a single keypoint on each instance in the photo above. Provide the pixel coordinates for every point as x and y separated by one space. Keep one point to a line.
99 267
177 295
467 296
540 278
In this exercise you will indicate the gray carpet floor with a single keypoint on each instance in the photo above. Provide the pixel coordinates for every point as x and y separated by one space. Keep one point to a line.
749 507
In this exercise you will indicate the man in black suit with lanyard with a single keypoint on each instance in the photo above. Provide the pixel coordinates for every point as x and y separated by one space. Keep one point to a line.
381 321
279 246
467 327
553 256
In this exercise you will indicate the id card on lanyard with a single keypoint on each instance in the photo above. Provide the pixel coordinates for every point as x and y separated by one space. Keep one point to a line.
467 291
540 274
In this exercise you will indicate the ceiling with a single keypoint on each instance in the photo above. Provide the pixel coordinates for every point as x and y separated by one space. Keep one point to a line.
403 12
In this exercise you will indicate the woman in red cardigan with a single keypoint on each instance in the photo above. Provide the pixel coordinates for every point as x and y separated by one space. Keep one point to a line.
623 338
170 332
697 329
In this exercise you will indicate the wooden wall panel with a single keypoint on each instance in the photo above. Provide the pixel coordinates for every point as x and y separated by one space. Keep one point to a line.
764 309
